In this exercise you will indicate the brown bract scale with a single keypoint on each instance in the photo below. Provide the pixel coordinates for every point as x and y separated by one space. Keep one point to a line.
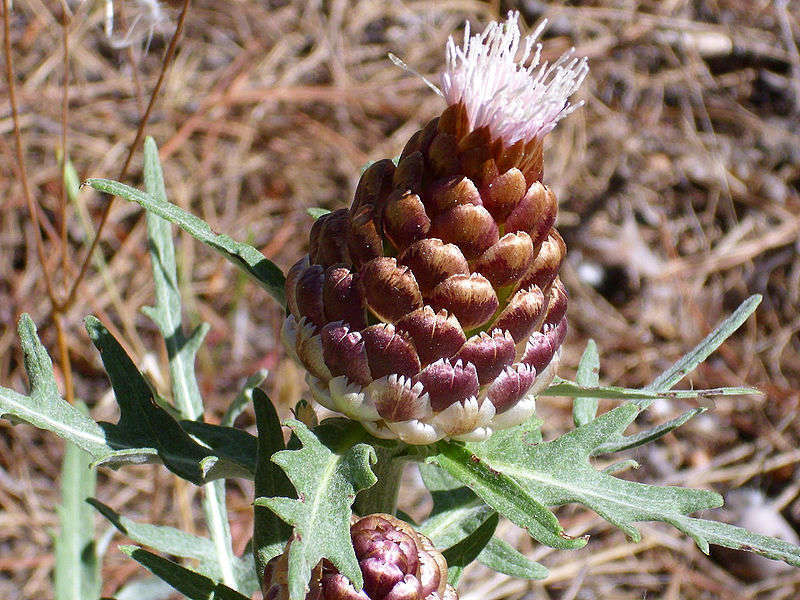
435 296
396 562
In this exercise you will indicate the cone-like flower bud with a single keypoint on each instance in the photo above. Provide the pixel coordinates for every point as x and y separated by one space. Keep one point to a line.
432 307
397 563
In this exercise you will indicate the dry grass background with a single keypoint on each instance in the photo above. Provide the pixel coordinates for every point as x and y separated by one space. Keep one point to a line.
679 184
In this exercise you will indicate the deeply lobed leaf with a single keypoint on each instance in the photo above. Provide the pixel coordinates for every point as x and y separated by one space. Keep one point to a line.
326 485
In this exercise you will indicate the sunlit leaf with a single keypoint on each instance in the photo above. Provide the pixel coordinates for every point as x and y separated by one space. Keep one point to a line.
326 485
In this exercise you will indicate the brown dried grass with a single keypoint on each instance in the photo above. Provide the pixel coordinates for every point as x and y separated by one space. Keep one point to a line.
680 193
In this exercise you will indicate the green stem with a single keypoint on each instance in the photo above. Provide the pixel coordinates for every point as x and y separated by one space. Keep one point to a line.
382 497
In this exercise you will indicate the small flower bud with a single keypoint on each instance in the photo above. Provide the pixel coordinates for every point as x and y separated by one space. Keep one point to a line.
396 562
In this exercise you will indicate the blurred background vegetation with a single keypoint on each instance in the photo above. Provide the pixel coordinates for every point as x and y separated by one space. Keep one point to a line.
679 188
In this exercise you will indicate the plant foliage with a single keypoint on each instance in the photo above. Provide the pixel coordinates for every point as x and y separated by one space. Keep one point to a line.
326 485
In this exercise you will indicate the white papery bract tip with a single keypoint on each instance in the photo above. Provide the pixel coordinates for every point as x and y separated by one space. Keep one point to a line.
489 76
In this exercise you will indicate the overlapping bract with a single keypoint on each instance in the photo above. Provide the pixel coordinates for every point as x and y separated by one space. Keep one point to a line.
397 563
432 307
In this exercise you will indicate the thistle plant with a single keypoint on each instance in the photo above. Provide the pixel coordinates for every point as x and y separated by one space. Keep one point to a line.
430 315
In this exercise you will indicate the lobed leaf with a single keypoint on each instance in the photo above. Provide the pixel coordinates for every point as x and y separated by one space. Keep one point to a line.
270 533
457 513
243 398
131 441
181 352
559 472
44 407
707 532
166 313
244 256
452 526
143 424
503 494
326 485
502 557
643 397
230 443
626 442
464 552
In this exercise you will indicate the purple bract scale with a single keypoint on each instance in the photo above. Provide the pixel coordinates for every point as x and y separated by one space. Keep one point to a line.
447 382
510 386
435 334
345 353
489 353
389 352
341 297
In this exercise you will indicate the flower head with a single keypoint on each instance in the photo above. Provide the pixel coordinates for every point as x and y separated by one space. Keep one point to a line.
397 563
432 307
489 76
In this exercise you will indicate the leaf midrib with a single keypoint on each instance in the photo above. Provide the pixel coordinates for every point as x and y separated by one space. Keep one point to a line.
11 397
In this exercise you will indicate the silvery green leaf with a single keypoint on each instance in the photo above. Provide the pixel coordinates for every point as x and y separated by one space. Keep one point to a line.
705 532
235 445
44 408
326 483
243 399
166 314
191 584
588 375
464 552
108 444
270 532
502 557
560 472
503 493
643 397
77 568
144 424
175 542
457 512
181 352
149 588
626 442
244 256
316 212
711 342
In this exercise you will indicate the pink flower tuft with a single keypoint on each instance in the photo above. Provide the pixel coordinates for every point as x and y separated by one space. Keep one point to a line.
516 102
